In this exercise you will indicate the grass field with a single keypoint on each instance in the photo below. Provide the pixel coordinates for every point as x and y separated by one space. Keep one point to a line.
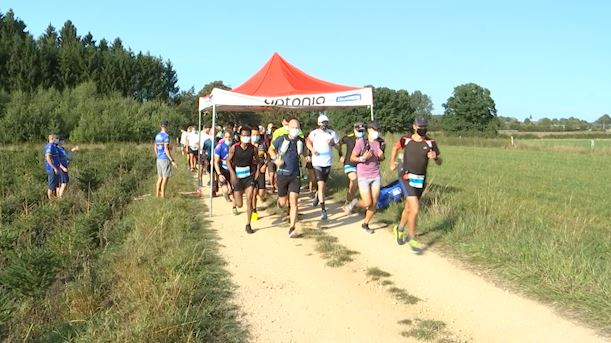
99 266
538 219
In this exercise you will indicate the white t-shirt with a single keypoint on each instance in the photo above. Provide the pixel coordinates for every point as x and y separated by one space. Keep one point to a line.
204 138
183 138
193 139
320 141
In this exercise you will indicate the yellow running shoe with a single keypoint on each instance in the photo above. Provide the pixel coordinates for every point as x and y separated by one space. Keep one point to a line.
254 217
416 246
399 235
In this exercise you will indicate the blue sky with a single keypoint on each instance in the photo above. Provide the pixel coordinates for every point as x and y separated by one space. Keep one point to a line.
538 58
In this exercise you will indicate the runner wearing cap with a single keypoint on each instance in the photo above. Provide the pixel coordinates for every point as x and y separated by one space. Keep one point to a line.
243 163
164 159
349 140
320 142
367 153
286 150
418 149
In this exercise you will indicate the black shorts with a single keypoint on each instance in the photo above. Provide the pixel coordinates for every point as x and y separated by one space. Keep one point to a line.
226 174
322 173
288 184
412 191
261 181
272 167
309 165
241 184
203 159
193 151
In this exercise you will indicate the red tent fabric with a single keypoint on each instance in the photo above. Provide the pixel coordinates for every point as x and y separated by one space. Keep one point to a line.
280 78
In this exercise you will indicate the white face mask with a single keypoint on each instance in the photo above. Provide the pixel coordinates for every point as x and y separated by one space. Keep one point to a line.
245 139
293 132
286 127
374 134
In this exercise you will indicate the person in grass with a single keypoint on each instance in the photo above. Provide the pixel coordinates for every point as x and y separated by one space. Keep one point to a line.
285 151
52 166
243 165
164 159
220 165
320 142
64 159
368 154
418 149
258 141
349 140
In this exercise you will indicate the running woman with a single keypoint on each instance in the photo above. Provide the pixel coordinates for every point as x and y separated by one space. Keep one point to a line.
258 141
286 151
164 159
368 154
358 131
243 162
418 149
220 166
320 142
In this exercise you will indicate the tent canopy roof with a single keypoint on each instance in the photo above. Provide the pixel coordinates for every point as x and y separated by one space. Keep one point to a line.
279 78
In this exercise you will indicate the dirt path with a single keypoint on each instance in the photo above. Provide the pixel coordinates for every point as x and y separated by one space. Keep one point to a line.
288 294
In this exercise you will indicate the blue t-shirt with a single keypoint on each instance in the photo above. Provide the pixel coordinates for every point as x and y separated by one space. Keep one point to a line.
161 140
207 148
291 157
222 151
63 156
53 150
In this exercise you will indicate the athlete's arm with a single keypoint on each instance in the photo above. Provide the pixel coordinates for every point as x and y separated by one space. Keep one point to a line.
393 156
310 146
272 151
217 166
255 161
230 162
50 161
167 149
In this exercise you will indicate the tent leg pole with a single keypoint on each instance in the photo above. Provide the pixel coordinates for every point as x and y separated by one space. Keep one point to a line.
371 112
212 157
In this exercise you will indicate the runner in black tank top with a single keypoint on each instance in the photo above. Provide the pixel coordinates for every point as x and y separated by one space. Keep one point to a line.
242 161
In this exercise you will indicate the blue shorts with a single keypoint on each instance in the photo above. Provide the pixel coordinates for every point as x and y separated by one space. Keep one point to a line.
349 169
52 180
63 177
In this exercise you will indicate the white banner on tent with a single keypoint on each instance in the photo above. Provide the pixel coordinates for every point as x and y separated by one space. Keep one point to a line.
230 101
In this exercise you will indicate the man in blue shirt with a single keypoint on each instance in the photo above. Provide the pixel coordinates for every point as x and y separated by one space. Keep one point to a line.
286 150
164 159
221 152
52 165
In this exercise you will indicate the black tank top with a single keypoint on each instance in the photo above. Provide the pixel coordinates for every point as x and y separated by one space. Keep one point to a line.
243 157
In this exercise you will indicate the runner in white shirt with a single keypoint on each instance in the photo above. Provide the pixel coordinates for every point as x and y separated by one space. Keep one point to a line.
193 144
321 142
183 141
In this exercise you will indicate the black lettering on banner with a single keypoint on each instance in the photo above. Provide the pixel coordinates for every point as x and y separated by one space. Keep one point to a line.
303 103
320 100
296 102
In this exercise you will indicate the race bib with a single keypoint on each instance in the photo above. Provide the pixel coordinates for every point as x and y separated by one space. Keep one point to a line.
224 164
416 181
242 172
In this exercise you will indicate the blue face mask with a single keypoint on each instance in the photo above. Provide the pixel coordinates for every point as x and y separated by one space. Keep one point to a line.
358 134
228 142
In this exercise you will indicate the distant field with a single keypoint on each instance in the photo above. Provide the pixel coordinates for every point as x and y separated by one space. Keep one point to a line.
539 220
599 143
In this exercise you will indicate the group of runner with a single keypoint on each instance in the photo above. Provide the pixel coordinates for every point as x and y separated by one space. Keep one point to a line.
57 160
246 160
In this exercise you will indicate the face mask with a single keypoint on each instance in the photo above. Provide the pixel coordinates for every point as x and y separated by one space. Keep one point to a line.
245 139
374 134
293 132
421 132
254 139
286 127
358 134
268 131
227 142
55 141
323 126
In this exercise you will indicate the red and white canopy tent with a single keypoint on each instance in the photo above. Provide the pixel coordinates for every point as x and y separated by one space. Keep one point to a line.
277 85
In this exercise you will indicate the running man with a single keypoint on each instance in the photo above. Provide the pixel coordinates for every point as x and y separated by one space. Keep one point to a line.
285 150
220 165
52 165
164 159
243 162
358 131
259 143
418 149
320 142
367 153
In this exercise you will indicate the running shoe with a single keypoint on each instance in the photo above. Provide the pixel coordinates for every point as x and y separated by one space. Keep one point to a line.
399 235
249 230
315 200
324 215
226 197
416 246
235 211
350 207
254 216
292 233
366 228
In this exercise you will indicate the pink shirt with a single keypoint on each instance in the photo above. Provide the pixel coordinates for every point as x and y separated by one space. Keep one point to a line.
371 168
